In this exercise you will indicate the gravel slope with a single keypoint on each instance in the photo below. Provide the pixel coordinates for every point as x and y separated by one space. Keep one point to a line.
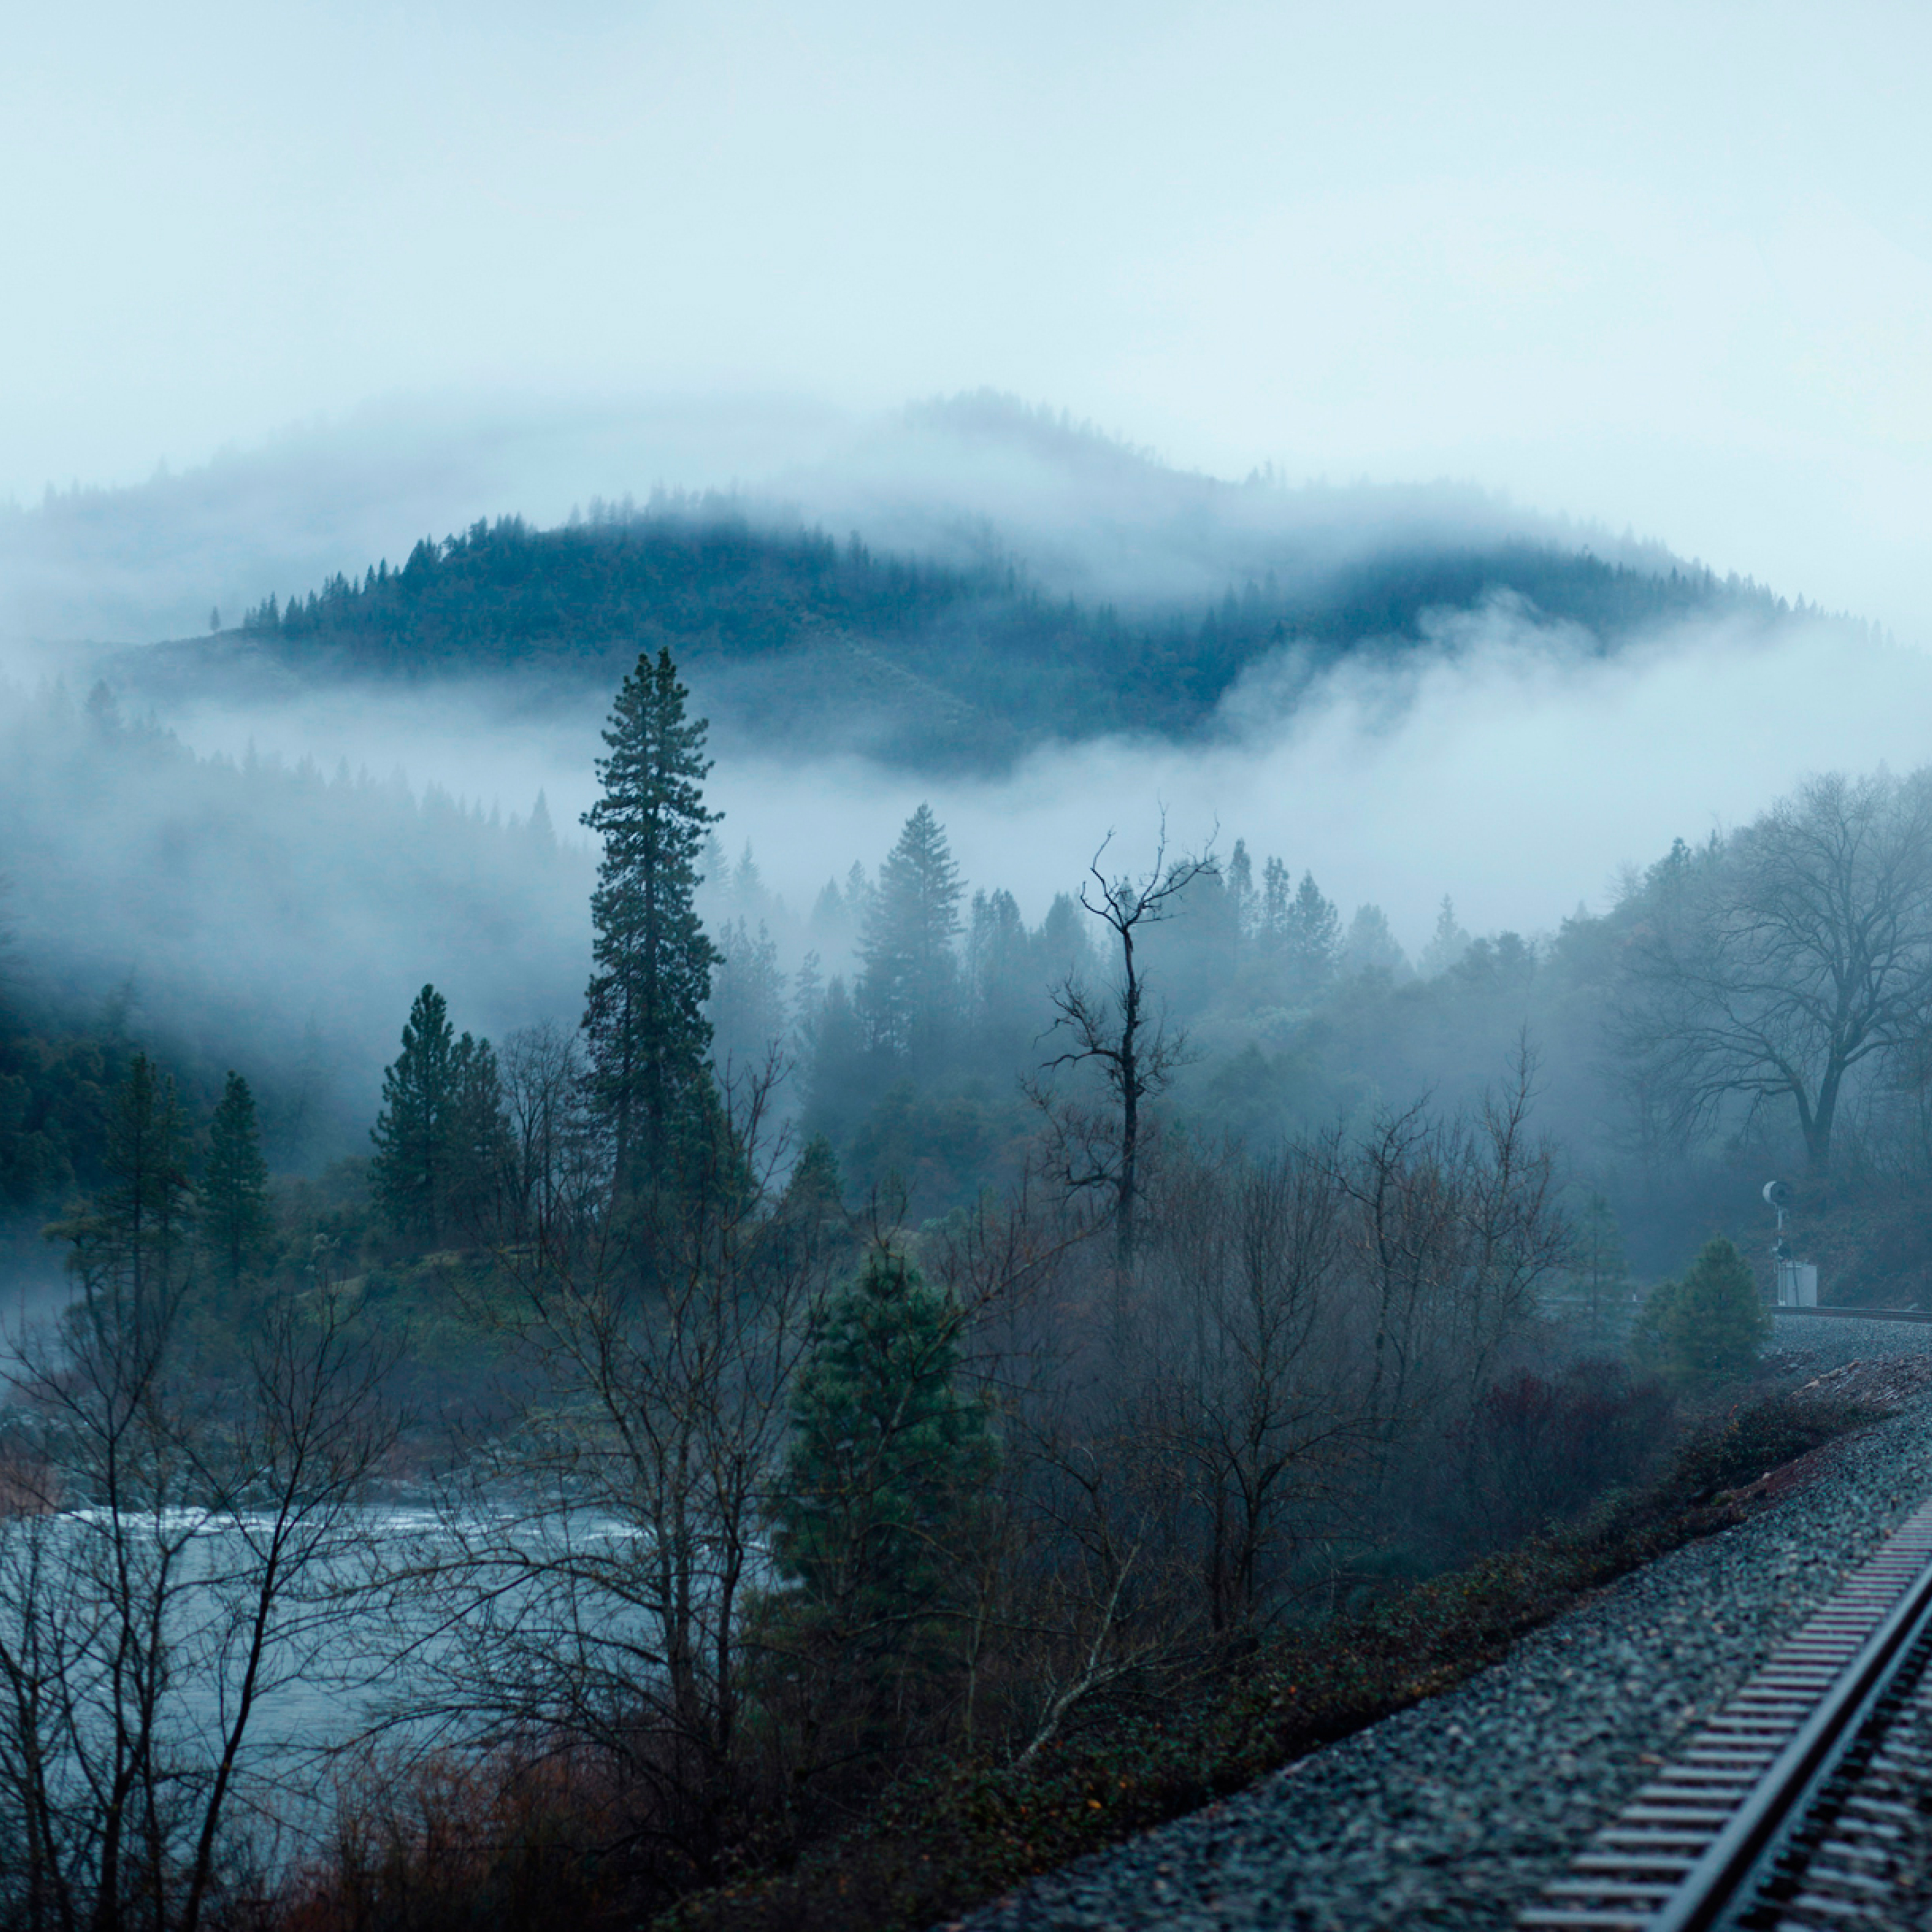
1456 1813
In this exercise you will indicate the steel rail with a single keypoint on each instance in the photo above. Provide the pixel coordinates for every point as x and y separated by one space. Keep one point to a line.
1728 1873
1857 1314
1716 1825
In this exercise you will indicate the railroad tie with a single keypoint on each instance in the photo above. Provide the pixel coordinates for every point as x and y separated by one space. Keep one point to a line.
1697 1841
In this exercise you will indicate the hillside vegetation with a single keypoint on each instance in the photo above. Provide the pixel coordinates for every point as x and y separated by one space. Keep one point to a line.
785 630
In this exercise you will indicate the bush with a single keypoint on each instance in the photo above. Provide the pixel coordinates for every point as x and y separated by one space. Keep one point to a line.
1538 1449
1707 1329
1754 1441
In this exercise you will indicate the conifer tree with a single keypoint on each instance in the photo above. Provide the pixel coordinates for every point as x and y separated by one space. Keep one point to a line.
410 1173
1240 881
644 1010
909 991
859 892
815 1187
132 1245
1371 947
1276 897
480 1155
748 1005
1707 1329
538 832
1063 948
828 922
1003 979
888 1458
234 1192
1311 939
812 1216
836 1085
442 1140
1446 944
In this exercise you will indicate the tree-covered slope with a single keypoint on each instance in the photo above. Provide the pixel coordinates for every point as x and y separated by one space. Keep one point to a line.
780 630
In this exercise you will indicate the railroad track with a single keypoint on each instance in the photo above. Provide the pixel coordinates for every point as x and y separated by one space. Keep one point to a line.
1806 1801
1857 1314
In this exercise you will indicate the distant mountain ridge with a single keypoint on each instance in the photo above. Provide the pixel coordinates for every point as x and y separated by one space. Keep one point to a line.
784 632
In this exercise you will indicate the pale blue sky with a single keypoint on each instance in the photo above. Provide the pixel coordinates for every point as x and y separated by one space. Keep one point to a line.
1665 266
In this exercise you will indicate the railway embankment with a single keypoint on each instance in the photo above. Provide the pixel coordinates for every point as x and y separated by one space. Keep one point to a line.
1460 1810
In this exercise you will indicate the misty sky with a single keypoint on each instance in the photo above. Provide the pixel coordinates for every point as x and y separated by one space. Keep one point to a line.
1667 267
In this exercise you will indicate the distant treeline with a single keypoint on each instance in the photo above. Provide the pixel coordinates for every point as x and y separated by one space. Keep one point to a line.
54 1081
219 913
914 659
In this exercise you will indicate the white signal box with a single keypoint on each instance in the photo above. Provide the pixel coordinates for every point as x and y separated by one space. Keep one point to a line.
1797 1285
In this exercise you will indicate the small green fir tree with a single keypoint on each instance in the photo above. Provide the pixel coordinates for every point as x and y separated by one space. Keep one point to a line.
888 1462
1709 1328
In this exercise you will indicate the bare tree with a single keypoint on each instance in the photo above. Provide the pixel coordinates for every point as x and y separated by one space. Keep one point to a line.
1041 1624
557 1169
180 1547
1773 966
1118 1032
588 1589
1094 1595
1454 1226
1256 1398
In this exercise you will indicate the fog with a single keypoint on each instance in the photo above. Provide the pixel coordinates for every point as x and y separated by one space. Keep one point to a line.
267 916
1686 292
1082 512
1384 459
352 840
136 563
280 904
1506 763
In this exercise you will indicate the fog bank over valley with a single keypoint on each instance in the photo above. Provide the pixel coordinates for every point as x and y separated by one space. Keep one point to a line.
274 886
256 843
1503 764
959 480
1504 760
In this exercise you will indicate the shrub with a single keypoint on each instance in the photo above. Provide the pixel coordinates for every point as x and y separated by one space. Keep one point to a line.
1754 1441
1538 1449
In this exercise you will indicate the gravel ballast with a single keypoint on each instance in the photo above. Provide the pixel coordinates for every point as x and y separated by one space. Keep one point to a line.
1457 1812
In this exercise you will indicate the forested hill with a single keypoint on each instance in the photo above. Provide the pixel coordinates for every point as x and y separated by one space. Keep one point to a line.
780 631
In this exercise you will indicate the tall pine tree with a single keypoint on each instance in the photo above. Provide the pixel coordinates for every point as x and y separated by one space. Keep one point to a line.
644 1011
410 1173
234 1192
909 991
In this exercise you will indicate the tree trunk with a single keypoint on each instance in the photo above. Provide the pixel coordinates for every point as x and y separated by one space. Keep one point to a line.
1127 1199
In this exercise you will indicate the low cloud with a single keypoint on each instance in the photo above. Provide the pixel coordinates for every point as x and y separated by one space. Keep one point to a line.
1505 761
